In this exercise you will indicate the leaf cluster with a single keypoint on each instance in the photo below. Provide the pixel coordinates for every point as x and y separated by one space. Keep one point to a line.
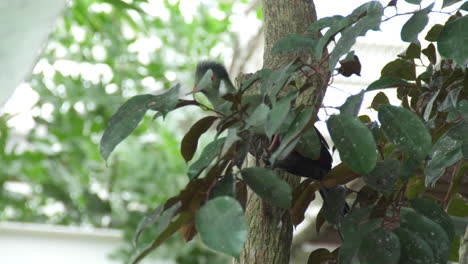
390 155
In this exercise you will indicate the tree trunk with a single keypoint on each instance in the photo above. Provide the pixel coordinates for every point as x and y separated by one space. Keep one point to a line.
269 227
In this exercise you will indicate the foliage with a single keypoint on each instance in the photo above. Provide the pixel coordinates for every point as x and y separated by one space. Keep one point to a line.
433 109
94 60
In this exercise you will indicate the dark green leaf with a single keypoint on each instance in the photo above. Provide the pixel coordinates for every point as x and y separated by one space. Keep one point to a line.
231 139
386 82
430 104
352 105
450 101
259 75
294 43
309 144
405 130
379 99
433 211
452 41
384 176
354 229
165 102
459 131
209 153
458 206
268 185
414 249
222 226
224 187
368 17
278 114
464 7
159 217
379 246
430 231
430 53
446 3
354 142
412 52
414 2
189 143
464 149
259 117
416 24
333 204
445 152
292 136
123 122
400 69
434 32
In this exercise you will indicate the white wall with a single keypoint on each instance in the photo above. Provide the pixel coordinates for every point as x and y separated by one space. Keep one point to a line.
46 244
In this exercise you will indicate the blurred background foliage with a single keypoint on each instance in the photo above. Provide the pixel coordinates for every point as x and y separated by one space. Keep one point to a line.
100 54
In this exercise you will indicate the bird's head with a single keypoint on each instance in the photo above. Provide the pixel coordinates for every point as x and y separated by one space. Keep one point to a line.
218 83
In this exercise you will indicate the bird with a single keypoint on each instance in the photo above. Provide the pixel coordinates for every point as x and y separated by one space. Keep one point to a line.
295 162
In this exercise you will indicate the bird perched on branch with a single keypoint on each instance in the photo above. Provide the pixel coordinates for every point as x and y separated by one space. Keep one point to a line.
217 84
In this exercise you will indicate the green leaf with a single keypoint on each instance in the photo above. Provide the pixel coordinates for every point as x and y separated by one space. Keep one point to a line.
452 41
294 43
333 204
414 2
464 7
464 149
368 17
379 99
165 102
450 101
405 130
189 143
434 32
416 24
123 122
224 187
222 226
292 136
354 229
430 53
209 153
336 24
412 52
384 176
352 105
160 217
445 152
428 110
278 114
387 82
400 69
433 211
459 131
414 249
268 185
309 144
259 75
380 246
354 141
430 231
258 117
458 206
446 3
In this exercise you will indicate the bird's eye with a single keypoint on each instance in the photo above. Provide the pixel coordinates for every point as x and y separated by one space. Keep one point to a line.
213 78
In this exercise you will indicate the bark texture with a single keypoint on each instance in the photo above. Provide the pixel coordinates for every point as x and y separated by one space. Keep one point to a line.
269 227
